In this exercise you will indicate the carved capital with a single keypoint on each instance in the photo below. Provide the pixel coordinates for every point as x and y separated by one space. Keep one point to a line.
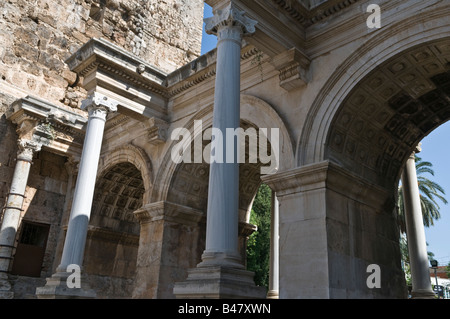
98 105
26 149
230 17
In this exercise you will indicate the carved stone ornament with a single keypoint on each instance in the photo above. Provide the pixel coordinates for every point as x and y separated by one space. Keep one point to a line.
230 16
26 149
98 105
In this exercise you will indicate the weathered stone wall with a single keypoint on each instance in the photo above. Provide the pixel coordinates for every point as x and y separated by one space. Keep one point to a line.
36 37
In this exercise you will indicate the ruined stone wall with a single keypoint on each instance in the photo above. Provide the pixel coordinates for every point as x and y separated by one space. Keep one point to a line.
37 36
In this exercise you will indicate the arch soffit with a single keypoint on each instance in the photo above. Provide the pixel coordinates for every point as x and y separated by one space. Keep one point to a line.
129 154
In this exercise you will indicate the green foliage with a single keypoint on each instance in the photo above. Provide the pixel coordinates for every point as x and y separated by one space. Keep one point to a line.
258 245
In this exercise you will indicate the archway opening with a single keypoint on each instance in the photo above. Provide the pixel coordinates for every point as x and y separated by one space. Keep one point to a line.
386 115
378 126
190 181
113 234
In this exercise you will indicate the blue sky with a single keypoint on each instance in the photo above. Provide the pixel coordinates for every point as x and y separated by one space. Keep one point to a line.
434 150
209 41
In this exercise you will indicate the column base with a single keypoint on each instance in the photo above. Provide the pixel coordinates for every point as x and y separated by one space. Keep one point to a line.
423 294
273 294
56 288
5 287
228 260
217 282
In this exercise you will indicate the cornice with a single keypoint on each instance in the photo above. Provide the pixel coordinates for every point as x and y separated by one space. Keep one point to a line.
32 108
59 129
168 211
108 235
98 55
309 16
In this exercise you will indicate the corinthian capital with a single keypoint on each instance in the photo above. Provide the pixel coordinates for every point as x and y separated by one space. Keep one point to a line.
26 149
98 105
229 16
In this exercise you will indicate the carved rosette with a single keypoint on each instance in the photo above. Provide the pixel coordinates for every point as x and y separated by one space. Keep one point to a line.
224 20
98 105
26 149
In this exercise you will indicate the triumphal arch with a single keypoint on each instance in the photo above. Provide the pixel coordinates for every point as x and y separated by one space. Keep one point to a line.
121 157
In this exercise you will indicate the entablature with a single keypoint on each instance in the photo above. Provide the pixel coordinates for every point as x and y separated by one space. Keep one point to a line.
59 130
108 69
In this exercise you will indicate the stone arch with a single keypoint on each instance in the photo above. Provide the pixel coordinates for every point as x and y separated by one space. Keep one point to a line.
113 235
381 46
134 155
124 181
186 184
256 113
383 118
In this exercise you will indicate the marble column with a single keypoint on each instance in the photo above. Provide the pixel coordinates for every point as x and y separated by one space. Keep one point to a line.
221 273
273 292
415 232
98 107
13 209
230 25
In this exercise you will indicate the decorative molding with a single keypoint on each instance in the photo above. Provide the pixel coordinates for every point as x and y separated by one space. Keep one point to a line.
330 176
169 212
139 79
100 55
295 9
307 17
327 9
105 234
196 79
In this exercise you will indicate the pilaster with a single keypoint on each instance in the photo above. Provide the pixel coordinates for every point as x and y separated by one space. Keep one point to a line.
171 241
333 224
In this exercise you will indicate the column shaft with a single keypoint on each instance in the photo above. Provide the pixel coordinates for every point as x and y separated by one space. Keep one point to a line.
230 25
273 292
84 190
221 273
421 285
223 196
14 202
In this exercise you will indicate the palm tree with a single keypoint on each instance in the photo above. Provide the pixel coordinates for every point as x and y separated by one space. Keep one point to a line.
430 193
